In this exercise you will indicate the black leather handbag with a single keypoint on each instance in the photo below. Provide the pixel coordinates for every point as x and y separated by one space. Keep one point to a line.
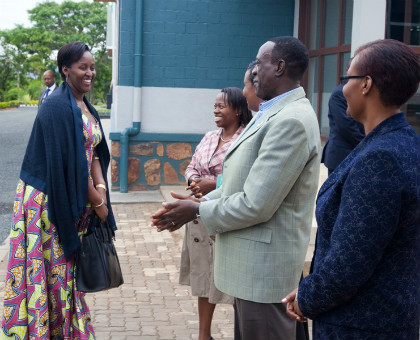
97 264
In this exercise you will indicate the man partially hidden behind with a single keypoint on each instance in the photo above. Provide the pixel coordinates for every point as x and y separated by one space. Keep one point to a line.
262 213
345 132
51 86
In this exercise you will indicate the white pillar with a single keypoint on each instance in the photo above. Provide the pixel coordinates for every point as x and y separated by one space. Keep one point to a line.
115 42
369 18
296 21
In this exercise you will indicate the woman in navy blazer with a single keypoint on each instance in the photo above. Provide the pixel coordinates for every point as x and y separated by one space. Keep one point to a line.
366 271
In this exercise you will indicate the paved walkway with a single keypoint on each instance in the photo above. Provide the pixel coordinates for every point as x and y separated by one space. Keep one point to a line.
151 305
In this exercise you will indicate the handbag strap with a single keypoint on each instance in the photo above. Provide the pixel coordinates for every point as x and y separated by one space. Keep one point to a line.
93 223
101 228
110 232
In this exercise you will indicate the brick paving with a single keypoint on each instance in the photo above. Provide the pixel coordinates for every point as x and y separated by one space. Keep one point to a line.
151 304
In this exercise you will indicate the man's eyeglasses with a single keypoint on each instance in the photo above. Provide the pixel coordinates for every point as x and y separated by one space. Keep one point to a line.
344 79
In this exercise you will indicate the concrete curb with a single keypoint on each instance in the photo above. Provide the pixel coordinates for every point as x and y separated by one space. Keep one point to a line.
162 195
136 197
166 191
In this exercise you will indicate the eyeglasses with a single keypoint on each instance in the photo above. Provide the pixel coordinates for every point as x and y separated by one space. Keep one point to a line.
345 79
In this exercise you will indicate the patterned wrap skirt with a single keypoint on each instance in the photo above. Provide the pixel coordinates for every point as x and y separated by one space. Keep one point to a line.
41 300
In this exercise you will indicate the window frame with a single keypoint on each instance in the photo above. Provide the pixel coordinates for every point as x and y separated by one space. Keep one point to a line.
321 51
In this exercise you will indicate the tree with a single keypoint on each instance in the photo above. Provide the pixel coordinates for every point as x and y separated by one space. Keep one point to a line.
33 50
103 76
15 46
6 75
71 21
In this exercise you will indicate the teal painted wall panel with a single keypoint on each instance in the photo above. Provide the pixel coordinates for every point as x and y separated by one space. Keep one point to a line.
199 43
126 29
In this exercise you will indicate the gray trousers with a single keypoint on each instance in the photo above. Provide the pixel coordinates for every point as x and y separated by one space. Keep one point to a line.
263 321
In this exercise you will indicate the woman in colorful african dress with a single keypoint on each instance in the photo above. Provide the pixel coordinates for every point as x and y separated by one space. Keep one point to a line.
62 181
231 115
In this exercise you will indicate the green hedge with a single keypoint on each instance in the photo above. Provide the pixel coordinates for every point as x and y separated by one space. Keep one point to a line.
103 111
12 103
15 103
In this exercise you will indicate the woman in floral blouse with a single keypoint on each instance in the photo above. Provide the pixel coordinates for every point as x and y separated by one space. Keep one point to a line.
231 115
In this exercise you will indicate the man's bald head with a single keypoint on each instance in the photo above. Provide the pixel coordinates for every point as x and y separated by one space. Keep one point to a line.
49 78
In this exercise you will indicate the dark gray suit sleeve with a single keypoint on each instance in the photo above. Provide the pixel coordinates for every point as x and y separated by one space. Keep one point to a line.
350 130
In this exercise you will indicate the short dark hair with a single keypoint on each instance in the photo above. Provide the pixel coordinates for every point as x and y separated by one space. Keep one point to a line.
394 68
251 75
293 52
69 54
237 101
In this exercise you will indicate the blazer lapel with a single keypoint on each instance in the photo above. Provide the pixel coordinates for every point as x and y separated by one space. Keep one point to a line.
397 121
41 96
341 168
252 127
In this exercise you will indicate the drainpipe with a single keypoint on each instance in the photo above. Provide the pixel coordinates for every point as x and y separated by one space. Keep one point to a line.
135 129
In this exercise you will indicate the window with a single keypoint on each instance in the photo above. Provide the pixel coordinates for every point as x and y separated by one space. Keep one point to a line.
403 24
403 21
325 27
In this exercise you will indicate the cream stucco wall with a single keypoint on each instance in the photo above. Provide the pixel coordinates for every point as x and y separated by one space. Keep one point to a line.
369 17
164 109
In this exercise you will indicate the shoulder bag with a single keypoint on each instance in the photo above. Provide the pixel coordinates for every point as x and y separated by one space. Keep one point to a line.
97 264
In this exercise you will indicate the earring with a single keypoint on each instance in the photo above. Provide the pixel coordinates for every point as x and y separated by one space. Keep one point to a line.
363 92
237 115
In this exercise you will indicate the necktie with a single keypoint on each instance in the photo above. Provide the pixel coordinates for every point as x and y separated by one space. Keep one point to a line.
46 93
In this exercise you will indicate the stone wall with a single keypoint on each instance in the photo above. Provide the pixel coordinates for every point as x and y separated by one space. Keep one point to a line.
152 164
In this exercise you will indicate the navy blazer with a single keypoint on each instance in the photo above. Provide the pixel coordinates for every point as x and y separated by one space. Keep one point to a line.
366 277
345 132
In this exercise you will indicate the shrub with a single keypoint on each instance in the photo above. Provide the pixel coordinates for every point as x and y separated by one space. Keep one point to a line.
103 111
13 103
25 99
34 88
14 94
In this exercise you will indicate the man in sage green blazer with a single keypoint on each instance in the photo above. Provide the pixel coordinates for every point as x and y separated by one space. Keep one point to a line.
262 213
